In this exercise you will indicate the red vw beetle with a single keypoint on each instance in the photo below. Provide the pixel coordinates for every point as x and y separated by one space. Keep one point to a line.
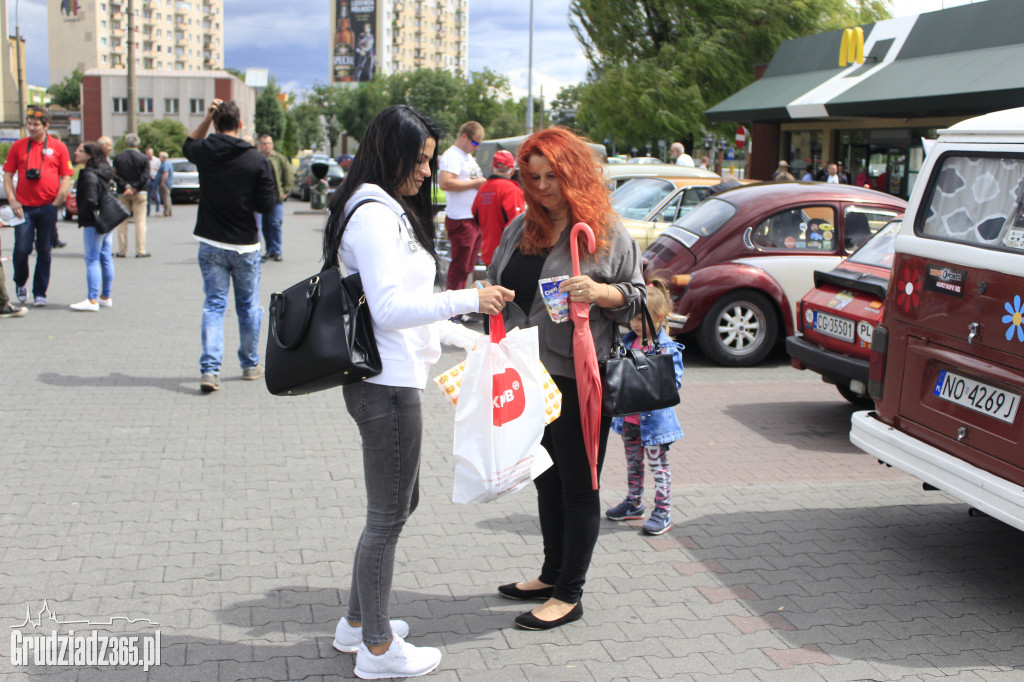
740 260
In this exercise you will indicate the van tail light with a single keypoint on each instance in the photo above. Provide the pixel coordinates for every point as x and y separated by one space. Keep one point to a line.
876 372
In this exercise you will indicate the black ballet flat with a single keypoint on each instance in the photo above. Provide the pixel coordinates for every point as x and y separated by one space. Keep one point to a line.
528 621
510 591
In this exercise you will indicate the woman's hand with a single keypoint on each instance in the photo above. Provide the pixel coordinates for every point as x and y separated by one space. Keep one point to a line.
582 289
492 298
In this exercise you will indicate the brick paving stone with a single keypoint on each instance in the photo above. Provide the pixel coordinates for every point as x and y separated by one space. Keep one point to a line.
805 655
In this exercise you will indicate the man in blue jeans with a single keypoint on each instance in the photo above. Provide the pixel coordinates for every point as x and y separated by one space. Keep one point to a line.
44 172
235 184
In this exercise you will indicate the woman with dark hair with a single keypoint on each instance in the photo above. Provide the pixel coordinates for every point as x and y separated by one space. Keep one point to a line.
93 180
380 225
564 185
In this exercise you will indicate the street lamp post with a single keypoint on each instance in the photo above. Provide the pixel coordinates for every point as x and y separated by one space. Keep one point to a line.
709 139
721 150
529 79
131 69
21 75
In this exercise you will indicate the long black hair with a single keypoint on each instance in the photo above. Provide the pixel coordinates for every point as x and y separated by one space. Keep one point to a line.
387 156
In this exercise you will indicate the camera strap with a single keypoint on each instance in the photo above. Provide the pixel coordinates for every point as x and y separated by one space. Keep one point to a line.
42 154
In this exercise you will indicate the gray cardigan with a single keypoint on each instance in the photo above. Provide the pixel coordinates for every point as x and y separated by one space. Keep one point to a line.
619 266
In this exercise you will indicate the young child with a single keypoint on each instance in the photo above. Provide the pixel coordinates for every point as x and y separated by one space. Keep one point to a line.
646 436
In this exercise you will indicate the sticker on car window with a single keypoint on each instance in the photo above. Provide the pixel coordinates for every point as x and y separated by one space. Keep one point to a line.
949 281
1014 239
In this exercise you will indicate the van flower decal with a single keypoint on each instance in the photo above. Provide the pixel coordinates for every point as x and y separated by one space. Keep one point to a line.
1014 318
910 284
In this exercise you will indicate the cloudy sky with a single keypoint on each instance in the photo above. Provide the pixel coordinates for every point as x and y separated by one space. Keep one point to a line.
294 44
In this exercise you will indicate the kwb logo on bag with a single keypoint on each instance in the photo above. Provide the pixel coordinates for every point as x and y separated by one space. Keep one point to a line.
507 396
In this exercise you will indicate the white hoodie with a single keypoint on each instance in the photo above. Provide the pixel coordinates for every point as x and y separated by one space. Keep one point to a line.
410 320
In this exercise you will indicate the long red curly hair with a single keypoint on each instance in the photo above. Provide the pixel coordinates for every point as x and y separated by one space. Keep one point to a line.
582 183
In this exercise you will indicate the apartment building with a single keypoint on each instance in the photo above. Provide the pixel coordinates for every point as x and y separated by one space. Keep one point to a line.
169 35
381 37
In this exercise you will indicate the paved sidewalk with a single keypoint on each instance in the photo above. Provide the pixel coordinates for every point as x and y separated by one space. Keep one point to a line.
227 521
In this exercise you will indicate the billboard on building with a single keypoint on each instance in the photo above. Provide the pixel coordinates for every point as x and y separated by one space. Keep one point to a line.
354 46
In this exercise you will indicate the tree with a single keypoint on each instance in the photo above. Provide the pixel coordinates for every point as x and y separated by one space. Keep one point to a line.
482 98
309 131
289 141
67 93
704 47
565 105
163 135
269 116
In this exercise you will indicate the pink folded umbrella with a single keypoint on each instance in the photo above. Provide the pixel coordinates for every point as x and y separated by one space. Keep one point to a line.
588 375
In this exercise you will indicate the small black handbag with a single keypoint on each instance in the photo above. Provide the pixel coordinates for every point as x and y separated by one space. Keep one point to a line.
634 380
321 334
110 212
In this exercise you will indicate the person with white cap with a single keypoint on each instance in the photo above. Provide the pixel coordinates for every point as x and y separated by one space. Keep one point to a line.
497 202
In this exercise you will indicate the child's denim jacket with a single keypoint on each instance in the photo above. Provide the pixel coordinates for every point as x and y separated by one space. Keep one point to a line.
658 426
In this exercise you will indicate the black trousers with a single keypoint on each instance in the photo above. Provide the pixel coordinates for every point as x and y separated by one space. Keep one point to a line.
570 509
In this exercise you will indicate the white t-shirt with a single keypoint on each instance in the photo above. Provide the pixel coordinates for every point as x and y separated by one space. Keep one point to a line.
154 168
684 160
464 167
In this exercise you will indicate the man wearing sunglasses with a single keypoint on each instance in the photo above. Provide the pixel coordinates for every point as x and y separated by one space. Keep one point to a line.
44 171
460 178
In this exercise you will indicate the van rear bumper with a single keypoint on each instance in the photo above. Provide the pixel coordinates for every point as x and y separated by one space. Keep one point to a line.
993 495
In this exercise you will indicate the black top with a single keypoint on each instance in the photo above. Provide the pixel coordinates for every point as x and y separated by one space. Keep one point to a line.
88 189
522 276
131 167
235 182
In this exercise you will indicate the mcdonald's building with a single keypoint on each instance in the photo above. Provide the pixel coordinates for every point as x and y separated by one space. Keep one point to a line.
868 95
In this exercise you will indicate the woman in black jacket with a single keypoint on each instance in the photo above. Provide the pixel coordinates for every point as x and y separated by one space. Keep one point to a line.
93 180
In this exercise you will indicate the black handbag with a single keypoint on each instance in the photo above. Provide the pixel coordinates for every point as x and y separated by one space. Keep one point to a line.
321 334
635 380
110 212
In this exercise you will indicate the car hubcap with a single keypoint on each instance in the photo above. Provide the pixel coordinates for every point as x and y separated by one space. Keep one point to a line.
740 328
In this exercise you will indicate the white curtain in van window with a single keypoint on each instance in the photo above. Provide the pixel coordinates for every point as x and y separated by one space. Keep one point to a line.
975 199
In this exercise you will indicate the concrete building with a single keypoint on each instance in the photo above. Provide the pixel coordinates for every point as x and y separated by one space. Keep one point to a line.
172 35
381 37
159 94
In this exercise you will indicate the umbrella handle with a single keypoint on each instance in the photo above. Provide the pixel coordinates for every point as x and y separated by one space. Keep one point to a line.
574 244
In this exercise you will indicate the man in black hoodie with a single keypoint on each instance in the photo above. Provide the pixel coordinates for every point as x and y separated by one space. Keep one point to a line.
236 183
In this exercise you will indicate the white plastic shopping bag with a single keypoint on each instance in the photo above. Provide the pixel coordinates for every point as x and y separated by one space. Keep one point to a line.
499 419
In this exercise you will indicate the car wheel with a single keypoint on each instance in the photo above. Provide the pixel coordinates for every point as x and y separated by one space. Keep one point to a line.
855 398
740 329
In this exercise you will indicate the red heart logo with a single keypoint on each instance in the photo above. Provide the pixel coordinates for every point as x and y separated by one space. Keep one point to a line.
507 398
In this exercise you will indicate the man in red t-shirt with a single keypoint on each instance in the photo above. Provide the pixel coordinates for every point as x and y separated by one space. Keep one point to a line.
497 202
44 175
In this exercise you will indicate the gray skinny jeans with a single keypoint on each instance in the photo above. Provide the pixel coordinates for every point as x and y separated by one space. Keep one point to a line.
391 427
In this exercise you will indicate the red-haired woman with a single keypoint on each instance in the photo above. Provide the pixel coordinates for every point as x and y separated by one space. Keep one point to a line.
563 185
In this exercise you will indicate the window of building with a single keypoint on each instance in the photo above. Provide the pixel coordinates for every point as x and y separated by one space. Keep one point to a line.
103 23
103 41
197 106
103 58
145 105
120 103
170 105
147 63
103 7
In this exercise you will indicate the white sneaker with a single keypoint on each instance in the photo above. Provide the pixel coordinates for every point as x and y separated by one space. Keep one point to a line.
347 638
86 306
106 302
400 660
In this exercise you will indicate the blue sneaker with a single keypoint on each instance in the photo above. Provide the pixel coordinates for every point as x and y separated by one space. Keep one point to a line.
626 510
660 521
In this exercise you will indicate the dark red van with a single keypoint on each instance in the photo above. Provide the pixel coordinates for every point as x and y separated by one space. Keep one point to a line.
947 362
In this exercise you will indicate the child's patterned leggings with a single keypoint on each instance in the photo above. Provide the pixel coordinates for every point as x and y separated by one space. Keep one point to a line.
656 457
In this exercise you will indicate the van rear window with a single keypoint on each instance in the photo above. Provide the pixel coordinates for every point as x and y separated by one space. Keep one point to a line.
977 200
